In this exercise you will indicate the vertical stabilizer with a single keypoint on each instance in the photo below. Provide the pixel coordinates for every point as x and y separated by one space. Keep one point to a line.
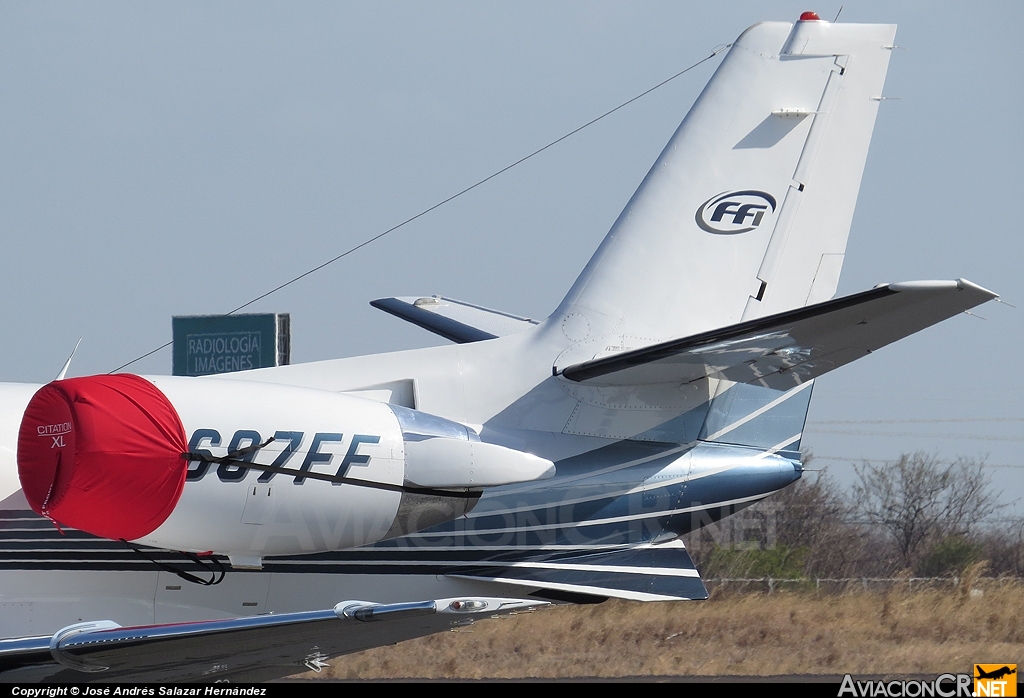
747 210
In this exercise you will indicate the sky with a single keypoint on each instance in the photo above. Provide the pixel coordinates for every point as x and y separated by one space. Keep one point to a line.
161 159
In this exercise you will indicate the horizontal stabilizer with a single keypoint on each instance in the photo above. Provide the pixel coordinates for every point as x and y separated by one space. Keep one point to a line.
258 648
785 350
455 320
651 573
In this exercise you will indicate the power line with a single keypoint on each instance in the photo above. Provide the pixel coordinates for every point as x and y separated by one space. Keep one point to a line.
936 435
855 461
425 211
916 421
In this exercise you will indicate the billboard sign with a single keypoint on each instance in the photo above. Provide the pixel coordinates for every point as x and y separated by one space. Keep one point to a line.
209 344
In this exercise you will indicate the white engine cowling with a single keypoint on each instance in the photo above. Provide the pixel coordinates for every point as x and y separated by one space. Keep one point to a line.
269 470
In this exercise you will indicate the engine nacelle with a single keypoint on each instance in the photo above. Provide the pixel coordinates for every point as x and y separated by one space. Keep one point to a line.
248 469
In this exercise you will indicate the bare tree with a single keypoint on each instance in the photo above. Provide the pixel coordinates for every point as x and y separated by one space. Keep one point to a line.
1004 547
814 515
805 525
920 500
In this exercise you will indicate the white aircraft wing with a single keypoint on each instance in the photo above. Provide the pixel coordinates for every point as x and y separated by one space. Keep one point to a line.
257 648
784 350
458 321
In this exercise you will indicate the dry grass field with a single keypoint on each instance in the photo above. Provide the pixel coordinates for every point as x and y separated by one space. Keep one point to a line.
794 632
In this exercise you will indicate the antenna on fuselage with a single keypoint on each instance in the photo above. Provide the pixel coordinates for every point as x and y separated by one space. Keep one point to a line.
67 364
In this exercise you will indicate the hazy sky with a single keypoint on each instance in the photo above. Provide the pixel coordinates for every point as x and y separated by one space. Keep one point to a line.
181 158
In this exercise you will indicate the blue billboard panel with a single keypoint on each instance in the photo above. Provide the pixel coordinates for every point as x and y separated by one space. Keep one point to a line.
208 344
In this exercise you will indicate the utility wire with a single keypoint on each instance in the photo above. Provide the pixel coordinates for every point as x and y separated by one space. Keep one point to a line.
911 434
916 421
845 460
424 212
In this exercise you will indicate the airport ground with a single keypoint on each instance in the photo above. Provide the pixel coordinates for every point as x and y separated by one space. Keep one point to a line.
794 632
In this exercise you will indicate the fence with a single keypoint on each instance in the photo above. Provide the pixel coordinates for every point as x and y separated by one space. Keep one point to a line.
844 584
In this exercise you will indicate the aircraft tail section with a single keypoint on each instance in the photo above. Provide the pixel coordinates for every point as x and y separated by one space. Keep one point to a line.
762 418
763 368
746 212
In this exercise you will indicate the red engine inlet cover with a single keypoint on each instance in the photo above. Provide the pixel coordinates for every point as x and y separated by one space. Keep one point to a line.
102 454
